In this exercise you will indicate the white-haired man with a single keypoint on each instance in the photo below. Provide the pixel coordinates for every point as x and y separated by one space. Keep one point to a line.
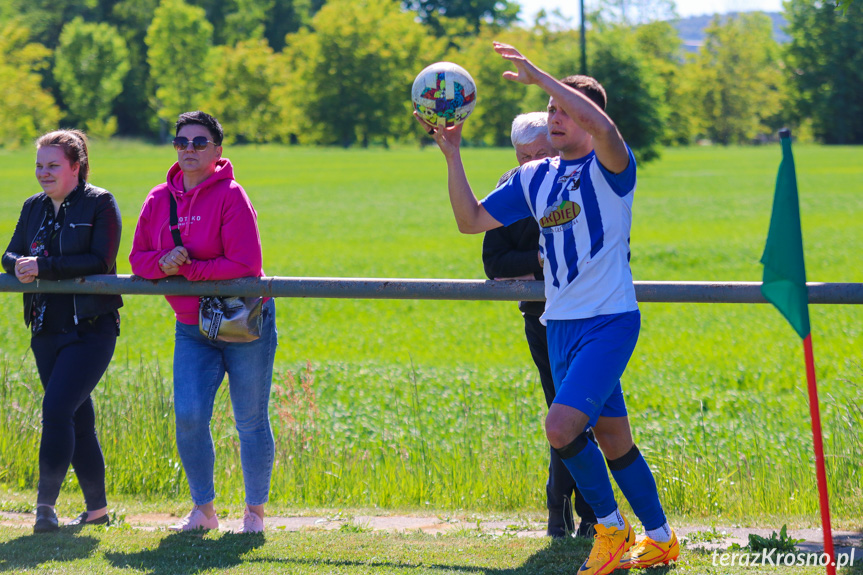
512 252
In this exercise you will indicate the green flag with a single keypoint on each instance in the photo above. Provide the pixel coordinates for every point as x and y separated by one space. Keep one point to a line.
784 283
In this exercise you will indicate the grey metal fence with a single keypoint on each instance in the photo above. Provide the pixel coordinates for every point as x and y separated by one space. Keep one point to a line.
433 289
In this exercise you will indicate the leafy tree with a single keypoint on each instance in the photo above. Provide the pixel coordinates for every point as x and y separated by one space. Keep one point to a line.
178 45
215 12
237 20
45 18
131 17
286 17
270 19
247 22
634 97
27 109
135 114
498 100
740 86
660 47
501 13
555 49
351 77
826 68
90 65
242 95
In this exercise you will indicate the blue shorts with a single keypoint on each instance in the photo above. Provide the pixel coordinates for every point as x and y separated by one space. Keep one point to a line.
587 357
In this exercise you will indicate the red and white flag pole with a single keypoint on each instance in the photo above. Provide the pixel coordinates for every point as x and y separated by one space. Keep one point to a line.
820 468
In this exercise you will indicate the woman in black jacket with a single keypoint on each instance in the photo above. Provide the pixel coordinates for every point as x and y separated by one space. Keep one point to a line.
71 229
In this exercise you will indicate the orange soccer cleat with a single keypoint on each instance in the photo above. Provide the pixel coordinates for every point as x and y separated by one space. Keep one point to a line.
609 546
649 553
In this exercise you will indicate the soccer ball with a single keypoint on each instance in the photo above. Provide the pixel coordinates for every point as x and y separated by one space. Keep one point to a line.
444 94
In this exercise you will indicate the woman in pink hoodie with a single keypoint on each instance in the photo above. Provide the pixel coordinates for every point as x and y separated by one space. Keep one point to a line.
220 241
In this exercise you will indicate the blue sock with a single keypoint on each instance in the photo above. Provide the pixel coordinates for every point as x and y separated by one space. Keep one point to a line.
636 482
588 469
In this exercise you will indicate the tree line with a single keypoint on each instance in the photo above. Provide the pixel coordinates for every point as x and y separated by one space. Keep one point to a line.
338 72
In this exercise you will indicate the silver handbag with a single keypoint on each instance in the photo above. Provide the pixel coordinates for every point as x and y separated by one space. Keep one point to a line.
231 319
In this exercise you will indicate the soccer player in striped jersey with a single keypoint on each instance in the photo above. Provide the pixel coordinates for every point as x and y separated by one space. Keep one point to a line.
512 252
582 201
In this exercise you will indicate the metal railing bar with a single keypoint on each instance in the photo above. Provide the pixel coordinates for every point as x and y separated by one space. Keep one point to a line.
431 289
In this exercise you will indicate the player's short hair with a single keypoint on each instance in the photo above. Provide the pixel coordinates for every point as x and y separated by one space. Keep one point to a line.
527 128
588 86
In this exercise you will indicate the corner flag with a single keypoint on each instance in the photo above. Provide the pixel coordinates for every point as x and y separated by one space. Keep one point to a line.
784 285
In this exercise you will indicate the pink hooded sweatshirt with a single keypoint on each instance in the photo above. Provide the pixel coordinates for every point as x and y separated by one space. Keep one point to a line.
218 226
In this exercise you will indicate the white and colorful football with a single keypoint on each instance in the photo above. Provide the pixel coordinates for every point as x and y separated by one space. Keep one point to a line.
444 94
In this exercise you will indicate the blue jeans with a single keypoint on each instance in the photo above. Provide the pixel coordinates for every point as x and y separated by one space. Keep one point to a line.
199 368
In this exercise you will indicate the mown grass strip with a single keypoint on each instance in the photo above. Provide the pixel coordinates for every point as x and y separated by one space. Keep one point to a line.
117 551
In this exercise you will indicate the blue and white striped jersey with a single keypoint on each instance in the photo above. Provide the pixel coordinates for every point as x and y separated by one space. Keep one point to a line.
585 215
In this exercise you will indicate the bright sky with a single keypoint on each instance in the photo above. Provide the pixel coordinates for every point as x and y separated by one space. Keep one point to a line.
570 8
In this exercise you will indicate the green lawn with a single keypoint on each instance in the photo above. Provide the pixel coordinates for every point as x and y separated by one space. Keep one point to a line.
113 551
420 404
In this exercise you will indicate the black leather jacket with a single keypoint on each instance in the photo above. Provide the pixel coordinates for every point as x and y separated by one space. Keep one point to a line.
89 242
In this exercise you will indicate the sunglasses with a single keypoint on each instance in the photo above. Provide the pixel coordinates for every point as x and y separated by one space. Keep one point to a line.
198 142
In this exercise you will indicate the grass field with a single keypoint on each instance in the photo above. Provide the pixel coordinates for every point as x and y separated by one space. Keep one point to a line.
436 405
114 551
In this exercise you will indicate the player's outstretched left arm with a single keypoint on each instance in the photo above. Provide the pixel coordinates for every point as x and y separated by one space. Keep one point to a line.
607 141
470 215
